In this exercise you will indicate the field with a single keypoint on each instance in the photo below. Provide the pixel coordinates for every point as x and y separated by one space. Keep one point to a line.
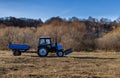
75 65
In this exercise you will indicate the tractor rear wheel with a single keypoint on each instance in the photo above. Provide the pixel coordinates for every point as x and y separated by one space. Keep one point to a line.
60 54
16 53
42 52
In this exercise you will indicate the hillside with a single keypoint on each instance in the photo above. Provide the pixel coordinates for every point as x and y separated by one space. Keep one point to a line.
111 41
112 33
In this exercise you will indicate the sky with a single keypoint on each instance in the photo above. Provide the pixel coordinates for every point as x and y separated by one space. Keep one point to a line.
46 9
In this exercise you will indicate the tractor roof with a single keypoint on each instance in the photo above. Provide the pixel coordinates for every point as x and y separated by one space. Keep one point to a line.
44 37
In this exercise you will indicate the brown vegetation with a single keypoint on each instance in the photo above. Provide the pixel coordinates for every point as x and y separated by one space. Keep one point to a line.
66 35
87 34
110 41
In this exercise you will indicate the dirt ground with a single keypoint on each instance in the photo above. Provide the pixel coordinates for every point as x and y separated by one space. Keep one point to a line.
75 65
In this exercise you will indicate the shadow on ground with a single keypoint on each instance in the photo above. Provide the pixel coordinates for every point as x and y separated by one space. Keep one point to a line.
82 58
91 58
76 57
34 54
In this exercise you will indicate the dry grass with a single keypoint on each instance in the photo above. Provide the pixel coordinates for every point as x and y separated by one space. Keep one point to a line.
76 65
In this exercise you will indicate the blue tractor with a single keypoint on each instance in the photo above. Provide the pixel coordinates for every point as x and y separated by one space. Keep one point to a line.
45 46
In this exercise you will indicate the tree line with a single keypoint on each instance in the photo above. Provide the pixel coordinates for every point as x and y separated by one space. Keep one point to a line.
93 25
20 22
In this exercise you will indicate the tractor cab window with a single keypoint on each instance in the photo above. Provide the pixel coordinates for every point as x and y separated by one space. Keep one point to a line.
47 41
42 41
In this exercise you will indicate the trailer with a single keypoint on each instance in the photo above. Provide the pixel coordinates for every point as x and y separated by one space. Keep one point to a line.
18 48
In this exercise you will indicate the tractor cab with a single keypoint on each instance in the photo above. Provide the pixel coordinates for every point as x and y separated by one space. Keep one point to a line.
44 41
47 42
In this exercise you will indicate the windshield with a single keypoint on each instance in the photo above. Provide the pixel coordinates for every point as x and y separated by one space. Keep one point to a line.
42 41
47 41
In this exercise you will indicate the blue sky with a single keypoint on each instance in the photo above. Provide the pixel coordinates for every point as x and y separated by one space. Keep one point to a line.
45 9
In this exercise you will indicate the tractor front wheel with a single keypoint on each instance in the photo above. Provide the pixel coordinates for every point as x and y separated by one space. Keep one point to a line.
60 54
42 52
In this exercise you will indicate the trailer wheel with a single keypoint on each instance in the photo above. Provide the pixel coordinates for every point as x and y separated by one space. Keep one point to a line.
60 54
16 53
42 52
